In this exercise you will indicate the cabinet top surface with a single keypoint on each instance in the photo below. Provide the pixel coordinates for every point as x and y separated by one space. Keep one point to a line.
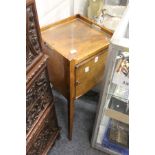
75 39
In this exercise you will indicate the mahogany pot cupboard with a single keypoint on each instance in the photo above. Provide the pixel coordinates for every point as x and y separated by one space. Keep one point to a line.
77 49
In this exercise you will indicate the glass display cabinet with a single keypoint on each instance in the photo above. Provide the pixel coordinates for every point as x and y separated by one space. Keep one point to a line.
111 131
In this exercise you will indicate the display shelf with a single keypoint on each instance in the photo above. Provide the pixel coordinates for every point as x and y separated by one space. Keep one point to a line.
113 137
117 115
116 105
111 132
119 98
121 93
120 116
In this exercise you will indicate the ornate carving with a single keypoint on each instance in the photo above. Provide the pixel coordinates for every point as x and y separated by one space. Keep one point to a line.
44 136
41 122
30 56
42 62
33 36
37 97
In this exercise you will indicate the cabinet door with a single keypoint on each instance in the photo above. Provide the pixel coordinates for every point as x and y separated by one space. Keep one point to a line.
90 72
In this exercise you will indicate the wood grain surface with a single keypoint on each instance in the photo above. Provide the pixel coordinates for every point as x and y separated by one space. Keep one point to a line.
76 39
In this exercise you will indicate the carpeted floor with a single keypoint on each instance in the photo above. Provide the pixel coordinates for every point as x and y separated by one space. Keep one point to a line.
85 108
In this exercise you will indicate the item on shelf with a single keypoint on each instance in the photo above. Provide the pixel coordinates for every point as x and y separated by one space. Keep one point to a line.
121 74
94 8
118 105
116 137
119 133
123 67
110 16
122 93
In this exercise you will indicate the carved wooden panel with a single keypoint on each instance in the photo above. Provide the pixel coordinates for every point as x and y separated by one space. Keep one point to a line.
38 96
30 56
48 129
33 47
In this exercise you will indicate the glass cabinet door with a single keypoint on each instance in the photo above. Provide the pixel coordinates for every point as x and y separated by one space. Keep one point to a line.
113 131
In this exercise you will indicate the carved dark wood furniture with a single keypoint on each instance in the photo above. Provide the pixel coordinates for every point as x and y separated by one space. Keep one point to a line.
77 49
41 123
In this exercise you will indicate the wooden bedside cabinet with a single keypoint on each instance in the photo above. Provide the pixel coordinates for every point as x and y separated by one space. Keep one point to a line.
77 50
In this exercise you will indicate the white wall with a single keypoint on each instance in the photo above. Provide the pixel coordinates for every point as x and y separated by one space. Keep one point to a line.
80 7
50 11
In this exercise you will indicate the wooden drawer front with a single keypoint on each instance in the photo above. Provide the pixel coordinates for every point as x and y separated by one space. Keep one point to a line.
38 96
44 134
90 72
33 44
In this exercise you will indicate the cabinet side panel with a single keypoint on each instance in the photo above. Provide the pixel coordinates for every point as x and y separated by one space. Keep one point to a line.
58 70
